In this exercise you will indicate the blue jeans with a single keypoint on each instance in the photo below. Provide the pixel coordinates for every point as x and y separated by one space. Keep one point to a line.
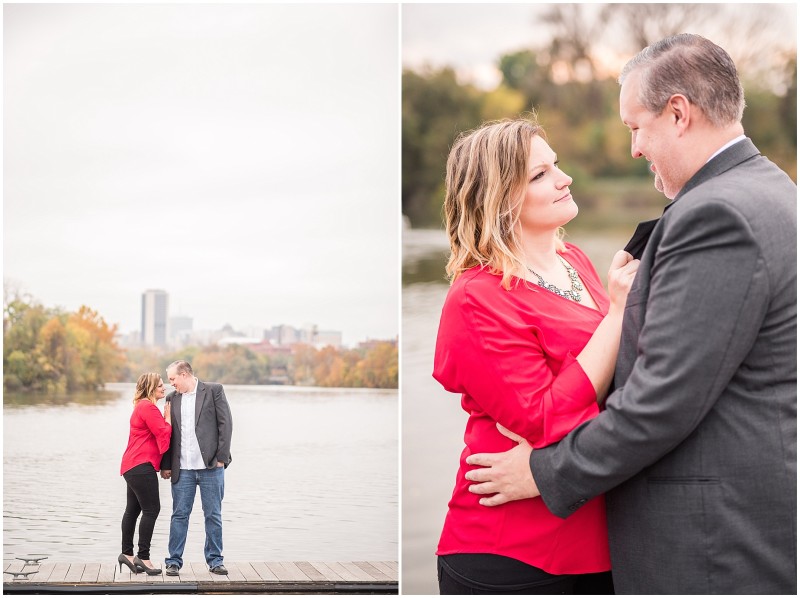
212 489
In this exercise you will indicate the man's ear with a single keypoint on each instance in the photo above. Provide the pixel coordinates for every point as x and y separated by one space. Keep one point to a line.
680 112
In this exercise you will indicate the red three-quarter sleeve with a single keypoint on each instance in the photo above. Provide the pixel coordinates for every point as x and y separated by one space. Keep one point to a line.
154 421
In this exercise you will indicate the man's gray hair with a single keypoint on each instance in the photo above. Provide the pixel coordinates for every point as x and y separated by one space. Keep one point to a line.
695 67
181 367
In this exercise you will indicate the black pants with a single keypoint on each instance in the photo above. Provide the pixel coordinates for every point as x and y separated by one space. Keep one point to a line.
513 577
143 498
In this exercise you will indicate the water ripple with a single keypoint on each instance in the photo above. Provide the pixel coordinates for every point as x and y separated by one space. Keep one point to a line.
314 477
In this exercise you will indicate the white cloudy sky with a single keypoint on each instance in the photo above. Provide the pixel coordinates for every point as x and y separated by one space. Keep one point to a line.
244 158
468 37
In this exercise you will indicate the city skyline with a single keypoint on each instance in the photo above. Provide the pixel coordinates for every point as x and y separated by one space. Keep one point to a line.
191 155
162 328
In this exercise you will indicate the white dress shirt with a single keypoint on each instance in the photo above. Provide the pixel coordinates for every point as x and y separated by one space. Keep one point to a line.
190 447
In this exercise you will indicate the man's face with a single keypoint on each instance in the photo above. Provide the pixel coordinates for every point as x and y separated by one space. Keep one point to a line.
181 382
653 136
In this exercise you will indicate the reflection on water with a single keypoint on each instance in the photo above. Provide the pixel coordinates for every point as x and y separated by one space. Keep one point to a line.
313 477
425 269
433 421
425 255
433 428
24 399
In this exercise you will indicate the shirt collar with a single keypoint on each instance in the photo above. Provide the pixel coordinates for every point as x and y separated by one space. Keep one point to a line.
726 146
194 390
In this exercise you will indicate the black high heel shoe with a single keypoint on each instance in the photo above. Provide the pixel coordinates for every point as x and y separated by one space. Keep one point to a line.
123 560
139 563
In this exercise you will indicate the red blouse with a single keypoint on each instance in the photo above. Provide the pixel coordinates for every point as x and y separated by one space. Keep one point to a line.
511 354
148 439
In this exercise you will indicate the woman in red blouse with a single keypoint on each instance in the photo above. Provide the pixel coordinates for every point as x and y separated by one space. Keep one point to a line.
148 440
529 338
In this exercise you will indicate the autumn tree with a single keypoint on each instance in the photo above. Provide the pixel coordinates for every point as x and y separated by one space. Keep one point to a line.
53 351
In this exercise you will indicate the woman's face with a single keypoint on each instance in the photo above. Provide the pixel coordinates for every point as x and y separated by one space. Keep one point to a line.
548 203
160 390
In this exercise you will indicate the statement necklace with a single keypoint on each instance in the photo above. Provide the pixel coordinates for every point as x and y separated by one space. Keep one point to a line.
573 276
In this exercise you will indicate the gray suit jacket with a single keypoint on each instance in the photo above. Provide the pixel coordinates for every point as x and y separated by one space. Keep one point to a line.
697 447
213 426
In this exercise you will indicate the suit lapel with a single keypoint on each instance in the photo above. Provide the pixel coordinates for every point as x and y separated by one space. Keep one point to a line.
176 411
640 237
731 157
198 401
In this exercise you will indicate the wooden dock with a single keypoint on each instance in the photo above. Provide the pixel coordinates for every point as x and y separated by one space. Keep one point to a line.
360 577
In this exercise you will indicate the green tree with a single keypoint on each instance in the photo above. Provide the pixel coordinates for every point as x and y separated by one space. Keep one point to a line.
435 109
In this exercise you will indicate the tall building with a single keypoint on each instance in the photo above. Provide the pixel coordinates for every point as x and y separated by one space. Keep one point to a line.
155 308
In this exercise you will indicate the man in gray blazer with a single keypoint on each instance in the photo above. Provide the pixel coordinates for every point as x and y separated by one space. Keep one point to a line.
199 452
696 449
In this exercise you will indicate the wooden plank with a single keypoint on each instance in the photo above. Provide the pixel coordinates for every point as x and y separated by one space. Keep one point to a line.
106 574
216 578
343 572
249 573
7 564
235 573
329 573
312 573
264 572
185 573
295 571
392 564
90 573
201 572
75 572
286 574
359 573
373 571
59 573
122 574
280 573
155 578
239 574
43 574
386 569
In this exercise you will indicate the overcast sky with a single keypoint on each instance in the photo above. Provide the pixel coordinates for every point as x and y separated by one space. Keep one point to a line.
468 37
243 158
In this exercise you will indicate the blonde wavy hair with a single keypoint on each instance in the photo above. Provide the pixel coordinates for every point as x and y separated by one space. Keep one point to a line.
146 387
487 173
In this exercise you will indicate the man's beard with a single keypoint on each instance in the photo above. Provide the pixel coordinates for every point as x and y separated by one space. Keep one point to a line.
659 183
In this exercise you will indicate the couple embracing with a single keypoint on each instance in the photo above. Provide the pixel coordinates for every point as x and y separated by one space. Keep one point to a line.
681 479
191 445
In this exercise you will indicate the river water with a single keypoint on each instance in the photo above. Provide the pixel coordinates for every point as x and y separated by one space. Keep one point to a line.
314 476
433 421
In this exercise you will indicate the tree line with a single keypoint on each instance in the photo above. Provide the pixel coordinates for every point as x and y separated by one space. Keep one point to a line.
375 366
577 103
52 350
